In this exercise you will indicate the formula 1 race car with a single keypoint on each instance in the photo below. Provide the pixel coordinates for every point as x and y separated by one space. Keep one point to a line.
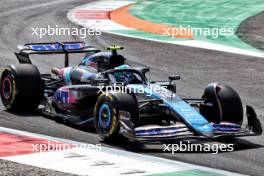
118 99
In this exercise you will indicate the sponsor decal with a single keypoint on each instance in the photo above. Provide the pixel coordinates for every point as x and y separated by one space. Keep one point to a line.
55 46
65 96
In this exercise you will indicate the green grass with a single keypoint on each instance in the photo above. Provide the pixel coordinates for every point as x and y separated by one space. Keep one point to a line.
210 14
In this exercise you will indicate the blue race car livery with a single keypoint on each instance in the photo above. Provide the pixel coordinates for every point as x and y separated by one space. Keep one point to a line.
118 99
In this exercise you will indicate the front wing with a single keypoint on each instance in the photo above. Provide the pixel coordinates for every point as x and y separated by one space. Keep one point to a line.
155 133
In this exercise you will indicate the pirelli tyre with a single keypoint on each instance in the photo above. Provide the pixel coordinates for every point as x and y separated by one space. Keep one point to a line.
222 104
107 114
21 87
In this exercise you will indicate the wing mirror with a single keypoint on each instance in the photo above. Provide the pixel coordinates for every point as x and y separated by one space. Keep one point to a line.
174 77
172 85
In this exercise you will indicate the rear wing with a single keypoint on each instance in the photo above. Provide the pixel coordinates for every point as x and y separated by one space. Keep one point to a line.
52 48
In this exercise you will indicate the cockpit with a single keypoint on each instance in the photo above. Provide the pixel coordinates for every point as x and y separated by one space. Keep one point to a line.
127 76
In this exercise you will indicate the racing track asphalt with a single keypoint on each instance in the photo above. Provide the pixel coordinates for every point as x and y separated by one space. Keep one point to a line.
197 67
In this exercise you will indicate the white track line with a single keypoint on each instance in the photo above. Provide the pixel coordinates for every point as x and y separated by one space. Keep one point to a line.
84 161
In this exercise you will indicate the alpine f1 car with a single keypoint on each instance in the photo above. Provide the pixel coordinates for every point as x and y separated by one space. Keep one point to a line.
118 99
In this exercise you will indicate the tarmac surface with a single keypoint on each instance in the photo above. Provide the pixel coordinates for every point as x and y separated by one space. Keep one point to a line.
197 67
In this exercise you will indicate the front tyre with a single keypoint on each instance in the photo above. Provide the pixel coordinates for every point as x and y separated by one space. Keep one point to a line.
223 104
21 87
107 112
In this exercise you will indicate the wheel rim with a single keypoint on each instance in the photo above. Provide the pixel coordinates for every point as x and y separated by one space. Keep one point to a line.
104 116
7 88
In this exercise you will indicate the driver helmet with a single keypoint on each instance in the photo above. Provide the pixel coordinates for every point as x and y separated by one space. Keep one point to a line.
89 61
124 76
124 66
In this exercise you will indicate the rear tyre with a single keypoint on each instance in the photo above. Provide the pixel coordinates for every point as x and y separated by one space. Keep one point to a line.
21 87
107 114
223 104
